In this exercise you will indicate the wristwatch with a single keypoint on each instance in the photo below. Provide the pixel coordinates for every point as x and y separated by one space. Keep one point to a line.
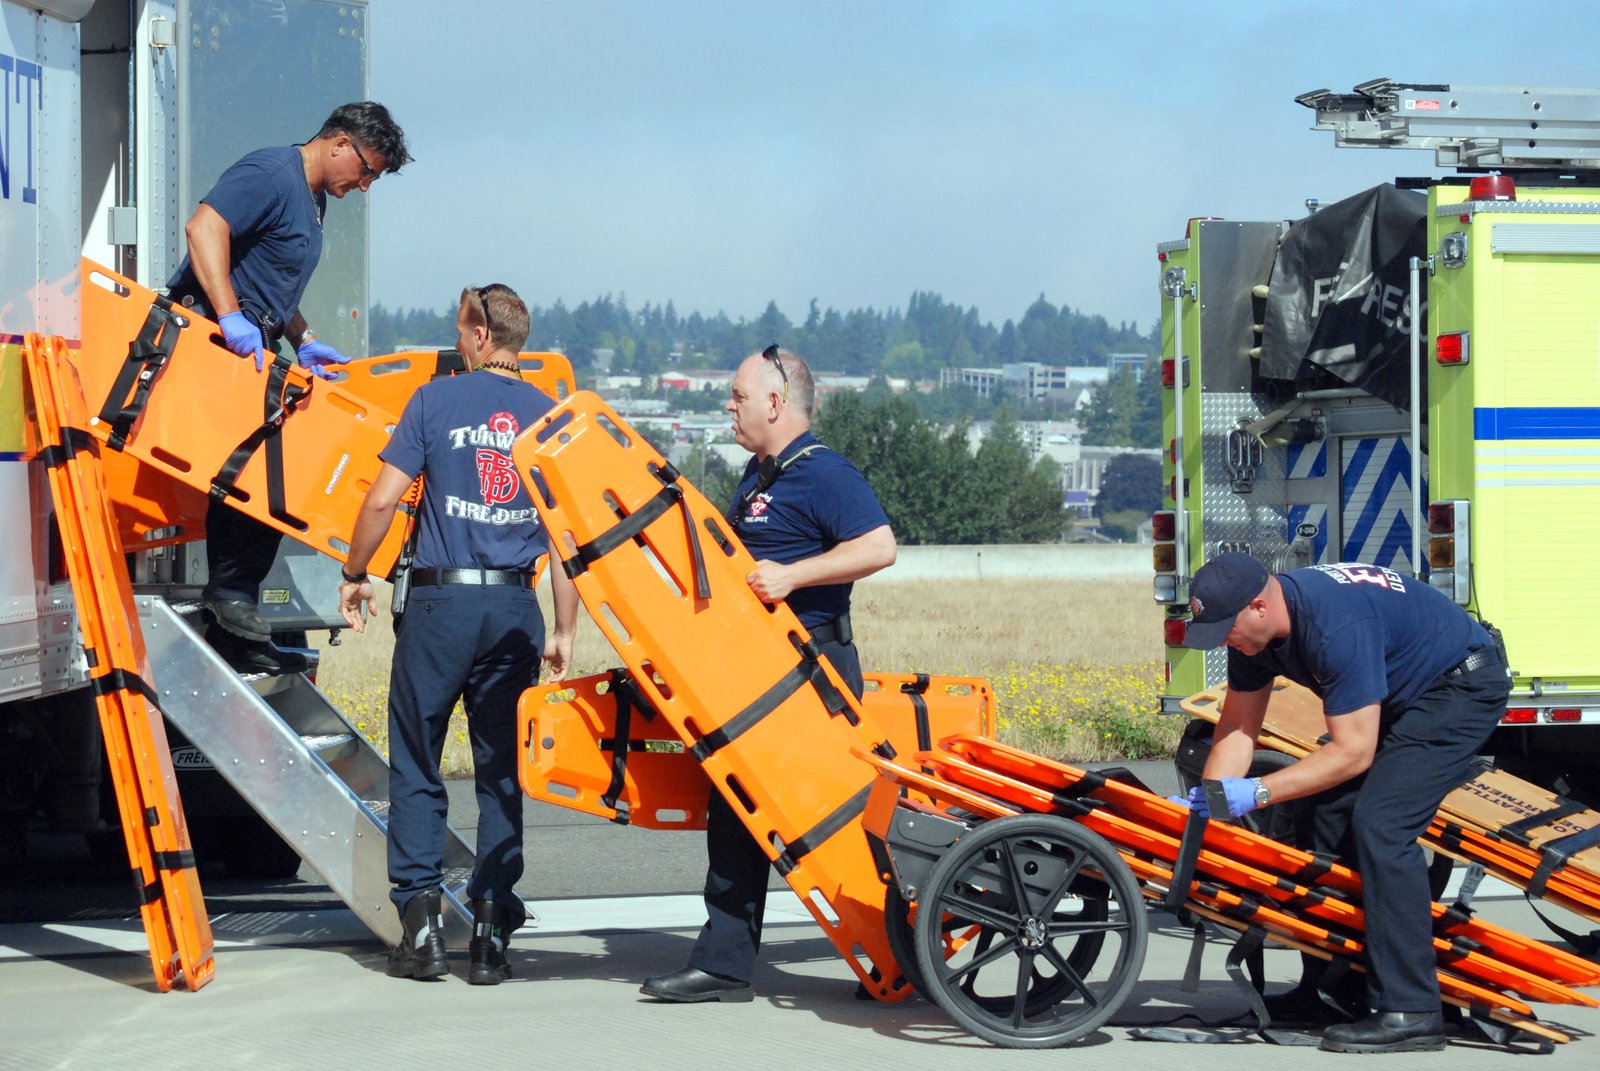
362 578
1263 796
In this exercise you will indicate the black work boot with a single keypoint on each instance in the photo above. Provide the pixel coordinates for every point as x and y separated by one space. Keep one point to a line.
491 933
420 953
254 656
241 618
1388 1032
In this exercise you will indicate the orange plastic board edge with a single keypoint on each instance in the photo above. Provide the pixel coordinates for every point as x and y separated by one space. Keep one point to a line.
205 401
772 726
389 380
172 906
953 705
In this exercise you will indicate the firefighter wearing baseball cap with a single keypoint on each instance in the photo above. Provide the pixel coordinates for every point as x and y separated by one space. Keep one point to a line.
1411 687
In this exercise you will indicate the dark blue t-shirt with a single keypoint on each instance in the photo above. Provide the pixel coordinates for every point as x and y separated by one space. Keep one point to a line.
275 231
457 433
816 503
1361 634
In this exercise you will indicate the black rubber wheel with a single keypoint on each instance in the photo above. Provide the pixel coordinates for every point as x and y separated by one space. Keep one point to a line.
1041 901
899 921
898 926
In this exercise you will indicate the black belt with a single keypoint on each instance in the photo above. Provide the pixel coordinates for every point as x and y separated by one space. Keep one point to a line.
271 329
509 578
836 631
1483 656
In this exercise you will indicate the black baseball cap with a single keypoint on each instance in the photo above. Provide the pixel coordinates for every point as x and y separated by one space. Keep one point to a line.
1223 586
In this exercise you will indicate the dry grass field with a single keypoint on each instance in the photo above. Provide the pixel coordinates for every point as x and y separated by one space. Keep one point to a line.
1074 664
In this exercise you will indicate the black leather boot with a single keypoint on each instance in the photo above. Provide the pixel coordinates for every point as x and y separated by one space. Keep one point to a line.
491 933
1388 1032
420 953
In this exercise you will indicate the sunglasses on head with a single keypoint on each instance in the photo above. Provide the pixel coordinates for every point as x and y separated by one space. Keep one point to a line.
771 354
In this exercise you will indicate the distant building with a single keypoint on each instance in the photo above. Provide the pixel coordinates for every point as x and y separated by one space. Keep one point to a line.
1029 379
1136 362
718 379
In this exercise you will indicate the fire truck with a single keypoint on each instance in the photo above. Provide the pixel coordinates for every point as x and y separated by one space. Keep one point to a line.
118 117
1410 378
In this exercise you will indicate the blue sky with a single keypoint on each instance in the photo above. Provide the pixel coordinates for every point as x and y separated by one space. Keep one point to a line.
722 154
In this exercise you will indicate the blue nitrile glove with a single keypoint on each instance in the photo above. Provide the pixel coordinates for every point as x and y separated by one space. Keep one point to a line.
315 356
1241 793
1181 801
242 336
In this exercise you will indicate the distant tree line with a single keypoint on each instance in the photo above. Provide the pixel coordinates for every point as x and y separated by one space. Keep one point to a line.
912 447
934 488
916 343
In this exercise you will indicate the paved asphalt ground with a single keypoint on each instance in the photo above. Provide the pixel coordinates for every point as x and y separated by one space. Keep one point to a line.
300 983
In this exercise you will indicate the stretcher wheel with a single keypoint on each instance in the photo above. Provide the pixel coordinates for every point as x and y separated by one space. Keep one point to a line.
898 925
900 921
1041 901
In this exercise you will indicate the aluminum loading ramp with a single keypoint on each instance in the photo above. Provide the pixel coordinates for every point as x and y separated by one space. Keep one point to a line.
293 757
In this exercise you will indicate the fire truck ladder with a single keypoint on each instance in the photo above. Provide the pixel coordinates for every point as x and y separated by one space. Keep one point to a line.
277 741
1471 128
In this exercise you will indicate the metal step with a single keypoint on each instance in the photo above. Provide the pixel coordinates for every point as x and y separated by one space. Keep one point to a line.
294 758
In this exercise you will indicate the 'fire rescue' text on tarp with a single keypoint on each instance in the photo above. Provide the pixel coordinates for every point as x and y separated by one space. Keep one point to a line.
1339 294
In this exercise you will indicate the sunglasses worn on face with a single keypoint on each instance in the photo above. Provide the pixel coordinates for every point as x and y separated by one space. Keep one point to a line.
771 354
367 170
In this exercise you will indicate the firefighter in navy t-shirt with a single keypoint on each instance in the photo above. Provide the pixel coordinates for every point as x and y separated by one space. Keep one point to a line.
253 244
1411 687
471 628
814 527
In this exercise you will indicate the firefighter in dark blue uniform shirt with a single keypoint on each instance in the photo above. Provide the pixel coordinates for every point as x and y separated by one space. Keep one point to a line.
253 244
1412 687
471 628
814 527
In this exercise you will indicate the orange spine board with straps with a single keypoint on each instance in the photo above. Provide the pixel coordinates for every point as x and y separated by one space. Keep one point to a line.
296 453
1313 906
171 905
567 739
1270 855
771 724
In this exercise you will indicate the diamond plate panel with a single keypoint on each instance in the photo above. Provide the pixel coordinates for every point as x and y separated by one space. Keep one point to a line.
1253 522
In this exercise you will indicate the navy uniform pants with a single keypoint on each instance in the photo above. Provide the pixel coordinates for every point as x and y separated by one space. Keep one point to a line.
455 641
1376 819
240 551
737 869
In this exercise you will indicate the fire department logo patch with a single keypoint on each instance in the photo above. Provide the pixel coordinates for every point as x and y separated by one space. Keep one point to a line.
497 476
503 424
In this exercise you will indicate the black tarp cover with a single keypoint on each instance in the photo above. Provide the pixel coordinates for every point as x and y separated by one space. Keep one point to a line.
1339 295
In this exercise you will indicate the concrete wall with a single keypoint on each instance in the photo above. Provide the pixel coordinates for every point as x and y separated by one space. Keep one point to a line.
1052 561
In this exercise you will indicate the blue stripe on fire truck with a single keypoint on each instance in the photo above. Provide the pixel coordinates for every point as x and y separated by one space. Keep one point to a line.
1536 423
